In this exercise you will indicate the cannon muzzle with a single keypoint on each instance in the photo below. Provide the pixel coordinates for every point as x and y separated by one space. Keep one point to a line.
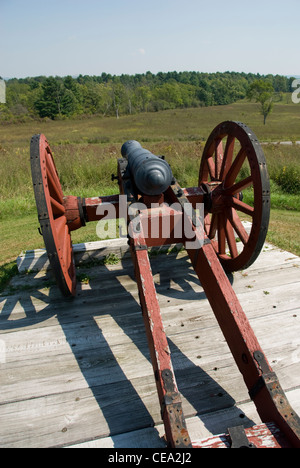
151 174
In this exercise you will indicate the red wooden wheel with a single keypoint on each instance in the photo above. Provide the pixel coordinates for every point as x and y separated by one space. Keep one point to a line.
51 213
233 162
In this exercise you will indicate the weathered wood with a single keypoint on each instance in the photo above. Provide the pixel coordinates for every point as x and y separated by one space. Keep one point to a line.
75 371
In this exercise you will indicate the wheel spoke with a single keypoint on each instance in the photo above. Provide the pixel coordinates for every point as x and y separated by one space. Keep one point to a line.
53 188
235 168
231 239
204 174
211 168
213 226
218 158
66 248
238 225
57 208
228 155
207 223
54 177
221 234
239 186
59 226
62 235
243 207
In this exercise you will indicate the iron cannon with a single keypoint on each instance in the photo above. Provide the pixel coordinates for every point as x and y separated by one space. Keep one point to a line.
152 175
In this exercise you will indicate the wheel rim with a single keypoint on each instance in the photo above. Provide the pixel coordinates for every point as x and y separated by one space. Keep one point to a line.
51 213
233 162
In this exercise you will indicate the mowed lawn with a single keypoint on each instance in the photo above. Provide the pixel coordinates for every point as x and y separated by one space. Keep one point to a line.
86 152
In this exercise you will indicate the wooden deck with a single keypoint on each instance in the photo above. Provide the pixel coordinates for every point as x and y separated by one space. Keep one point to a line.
77 373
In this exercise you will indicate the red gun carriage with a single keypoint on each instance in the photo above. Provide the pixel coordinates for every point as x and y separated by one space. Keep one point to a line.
217 243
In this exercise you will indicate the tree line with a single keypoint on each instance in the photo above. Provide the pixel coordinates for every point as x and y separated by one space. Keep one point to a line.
111 95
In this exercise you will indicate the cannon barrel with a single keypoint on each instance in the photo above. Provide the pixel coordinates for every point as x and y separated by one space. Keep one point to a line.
151 174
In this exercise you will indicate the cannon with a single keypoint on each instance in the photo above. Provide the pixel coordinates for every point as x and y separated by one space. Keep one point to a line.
151 174
208 221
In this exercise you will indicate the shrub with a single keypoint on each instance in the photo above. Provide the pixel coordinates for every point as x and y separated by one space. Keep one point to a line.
288 178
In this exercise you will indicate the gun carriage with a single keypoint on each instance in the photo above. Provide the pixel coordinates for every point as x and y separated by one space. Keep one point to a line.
216 242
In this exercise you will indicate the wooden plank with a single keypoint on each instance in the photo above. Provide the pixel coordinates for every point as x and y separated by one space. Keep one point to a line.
259 436
64 365
202 381
61 418
199 427
183 288
190 335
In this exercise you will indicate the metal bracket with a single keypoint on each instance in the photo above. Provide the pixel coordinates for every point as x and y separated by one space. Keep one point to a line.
239 438
266 376
261 361
182 199
262 382
172 408
82 211
138 247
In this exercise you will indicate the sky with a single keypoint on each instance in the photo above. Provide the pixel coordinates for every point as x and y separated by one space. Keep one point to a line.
89 37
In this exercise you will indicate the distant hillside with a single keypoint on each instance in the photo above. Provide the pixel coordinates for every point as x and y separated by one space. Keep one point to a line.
106 95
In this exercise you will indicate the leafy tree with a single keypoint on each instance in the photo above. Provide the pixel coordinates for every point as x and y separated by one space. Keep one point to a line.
188 95
142 98
169 94
280 84
95 99
262 92
117 95
69 103
50 101
72 98
58 97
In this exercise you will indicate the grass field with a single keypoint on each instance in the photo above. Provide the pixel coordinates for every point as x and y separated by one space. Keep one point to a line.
86 153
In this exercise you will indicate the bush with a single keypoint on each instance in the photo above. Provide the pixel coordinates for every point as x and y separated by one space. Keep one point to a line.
288 178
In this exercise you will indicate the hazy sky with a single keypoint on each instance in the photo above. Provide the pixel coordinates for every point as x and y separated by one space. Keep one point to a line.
69 37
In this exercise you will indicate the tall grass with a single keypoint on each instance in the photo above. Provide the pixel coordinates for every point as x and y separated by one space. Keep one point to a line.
283 164
85 170
16 190
86 153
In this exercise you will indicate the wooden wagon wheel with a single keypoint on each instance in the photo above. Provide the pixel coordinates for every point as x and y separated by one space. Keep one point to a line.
51 213
232 162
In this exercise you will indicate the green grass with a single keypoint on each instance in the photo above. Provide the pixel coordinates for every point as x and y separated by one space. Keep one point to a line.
86 153
179 124
284 230
7 271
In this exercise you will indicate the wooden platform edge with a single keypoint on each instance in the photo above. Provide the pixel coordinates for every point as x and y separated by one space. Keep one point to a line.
37 260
